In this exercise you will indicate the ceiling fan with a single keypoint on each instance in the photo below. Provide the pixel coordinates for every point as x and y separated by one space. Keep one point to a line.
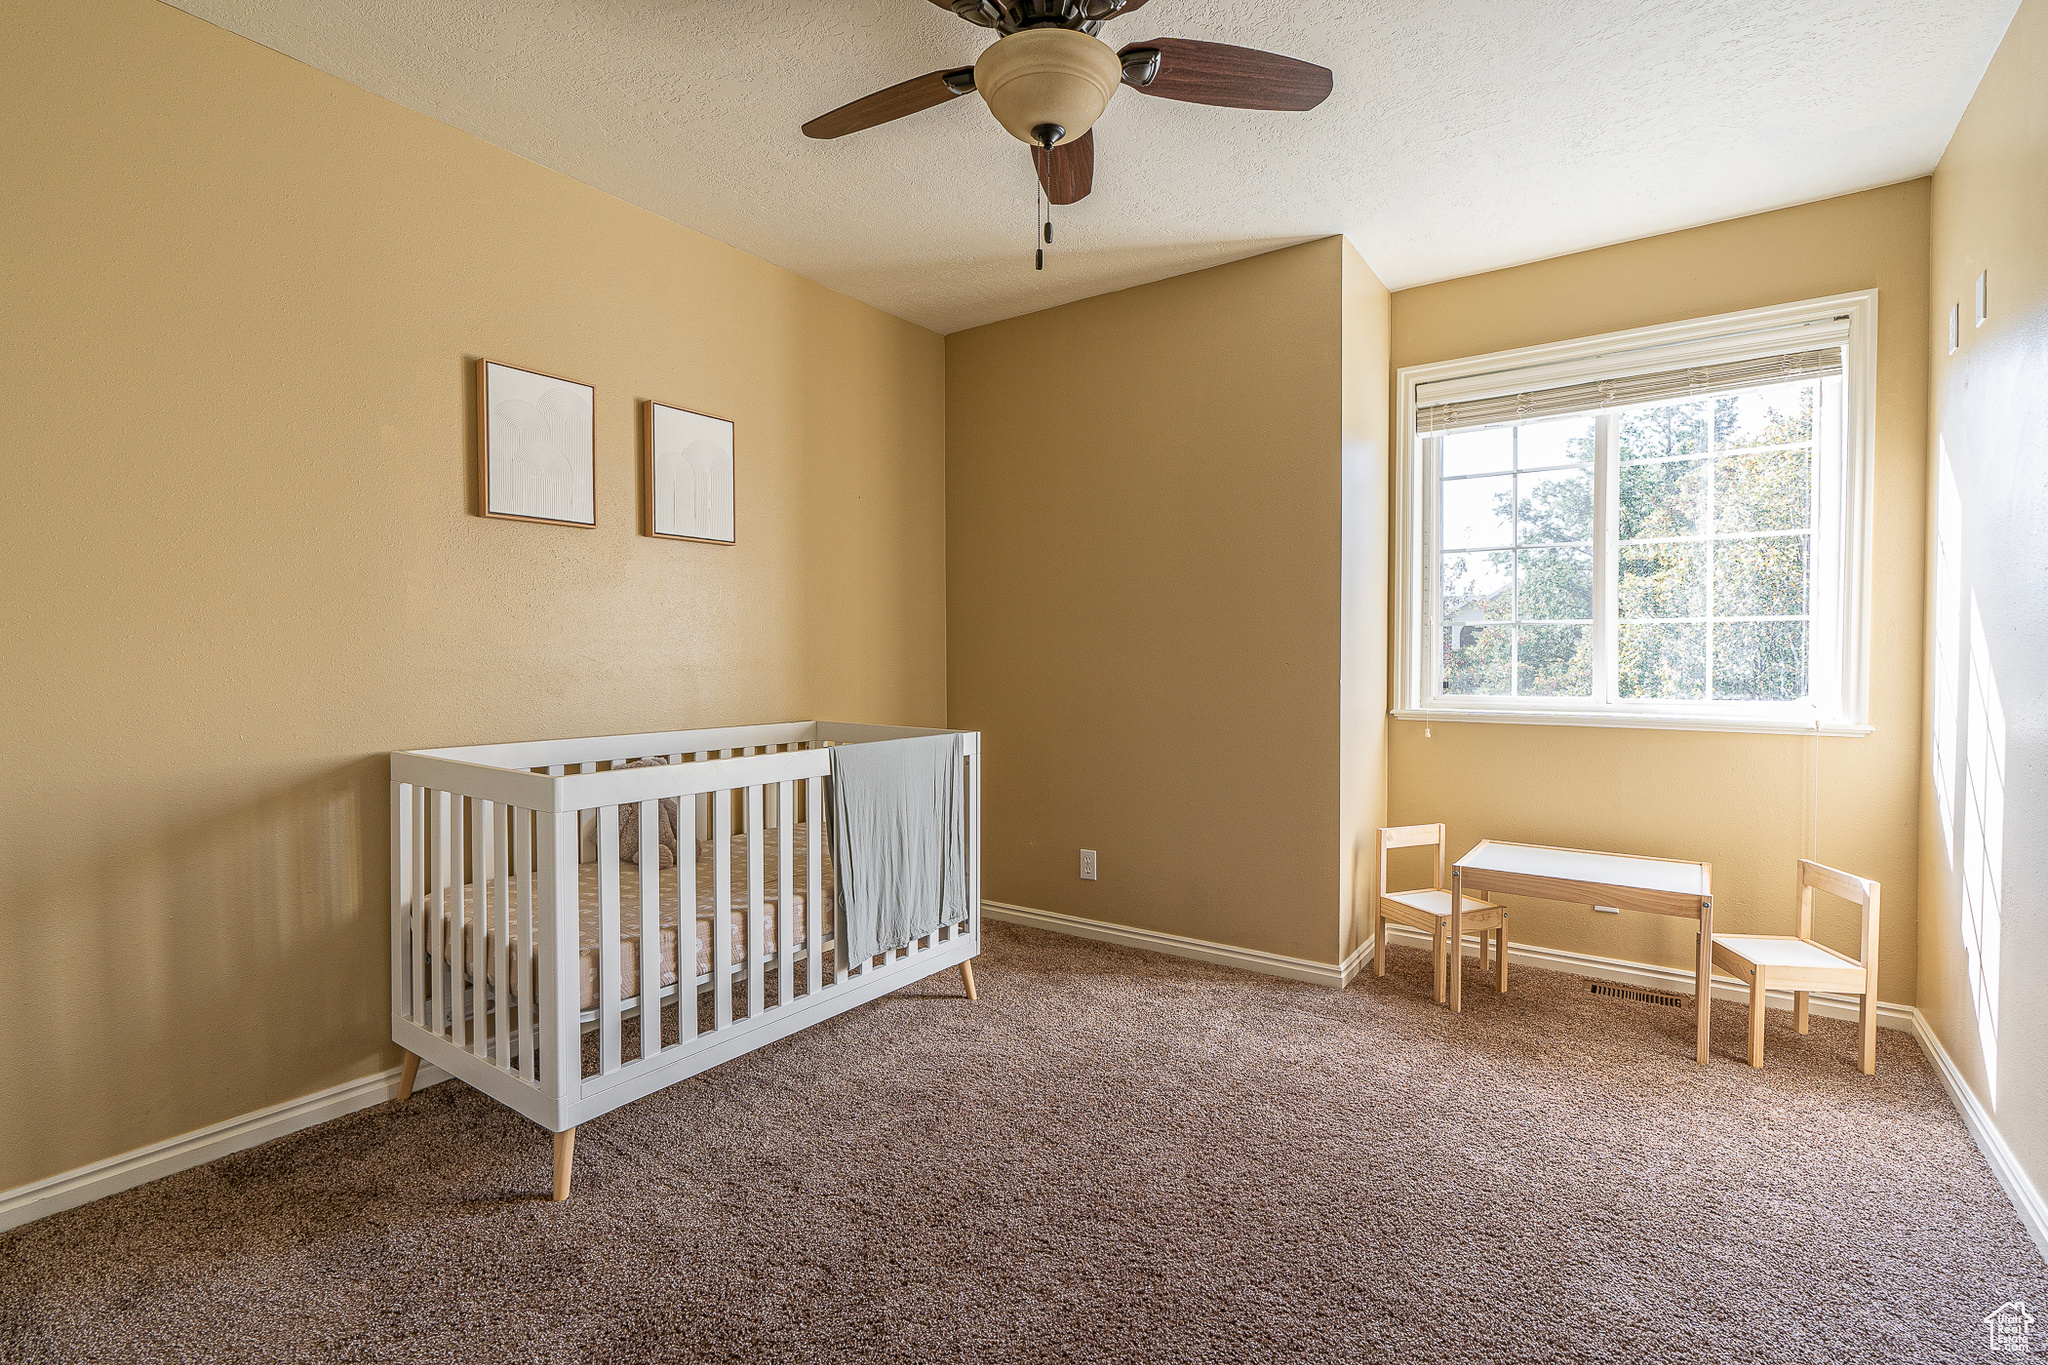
1049 77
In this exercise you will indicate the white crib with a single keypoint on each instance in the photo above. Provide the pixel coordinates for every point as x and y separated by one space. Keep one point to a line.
505 860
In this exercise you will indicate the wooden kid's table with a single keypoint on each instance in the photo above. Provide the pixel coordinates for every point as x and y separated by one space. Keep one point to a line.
1656 886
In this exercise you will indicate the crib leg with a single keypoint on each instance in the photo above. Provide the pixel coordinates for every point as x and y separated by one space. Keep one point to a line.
967 975
565 1159
407 1074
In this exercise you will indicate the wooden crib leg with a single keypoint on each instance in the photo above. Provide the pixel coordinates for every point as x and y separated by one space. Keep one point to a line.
565 1160
967 975
408 1072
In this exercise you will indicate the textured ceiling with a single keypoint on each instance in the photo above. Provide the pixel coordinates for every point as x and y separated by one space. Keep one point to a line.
1464 135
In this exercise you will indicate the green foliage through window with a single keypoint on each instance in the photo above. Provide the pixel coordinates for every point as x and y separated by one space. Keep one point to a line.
1712 590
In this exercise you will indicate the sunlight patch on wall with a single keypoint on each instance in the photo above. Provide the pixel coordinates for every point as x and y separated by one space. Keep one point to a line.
1983 845
1948 544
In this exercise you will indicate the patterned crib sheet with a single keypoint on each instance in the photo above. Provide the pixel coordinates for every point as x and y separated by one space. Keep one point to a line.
670 914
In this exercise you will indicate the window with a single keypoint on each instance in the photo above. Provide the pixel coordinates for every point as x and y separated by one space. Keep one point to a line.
1655 528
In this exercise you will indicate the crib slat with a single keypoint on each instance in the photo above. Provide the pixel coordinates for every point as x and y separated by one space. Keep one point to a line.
785 900
447 871
498 943
721 910
458 1001
437 890
686 923
519 966
757 890
403 930
482 821
607 939
559 958
814 968
650 929
416 816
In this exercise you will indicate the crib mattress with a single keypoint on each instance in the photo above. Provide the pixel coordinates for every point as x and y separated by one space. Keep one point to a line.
670 916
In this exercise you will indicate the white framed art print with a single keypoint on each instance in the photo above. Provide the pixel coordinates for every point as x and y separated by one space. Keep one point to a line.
536 437
690 475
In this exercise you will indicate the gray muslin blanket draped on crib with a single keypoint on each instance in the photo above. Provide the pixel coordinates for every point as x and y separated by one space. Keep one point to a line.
899 847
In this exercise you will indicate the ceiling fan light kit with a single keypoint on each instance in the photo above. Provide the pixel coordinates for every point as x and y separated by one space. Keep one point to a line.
1046 79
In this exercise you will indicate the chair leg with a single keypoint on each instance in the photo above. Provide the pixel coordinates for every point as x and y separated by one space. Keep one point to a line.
1379 945
1867 1018
1500 958
1436 953
1799 1011
967 975
1485 950
565 1161
408 1072
1756 1019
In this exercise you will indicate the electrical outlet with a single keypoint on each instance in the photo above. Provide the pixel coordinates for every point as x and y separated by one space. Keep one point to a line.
1087 864
1608 909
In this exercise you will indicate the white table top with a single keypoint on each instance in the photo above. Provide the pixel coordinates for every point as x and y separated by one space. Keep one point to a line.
1580 865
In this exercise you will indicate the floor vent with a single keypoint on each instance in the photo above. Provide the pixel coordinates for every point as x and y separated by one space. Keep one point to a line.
1642 997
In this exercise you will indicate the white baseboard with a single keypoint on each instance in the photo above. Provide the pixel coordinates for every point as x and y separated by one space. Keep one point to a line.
26 1203
1649 977
2025 1198
1335 974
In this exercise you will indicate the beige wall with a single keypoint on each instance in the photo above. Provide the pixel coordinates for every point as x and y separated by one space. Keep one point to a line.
1739 801
1984 819
242 302
1368 482
1146 505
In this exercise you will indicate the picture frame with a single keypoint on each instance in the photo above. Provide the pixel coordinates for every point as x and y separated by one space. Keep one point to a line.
690 465
536 440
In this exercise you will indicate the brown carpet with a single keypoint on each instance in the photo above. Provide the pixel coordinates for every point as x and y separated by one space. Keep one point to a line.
1113 1156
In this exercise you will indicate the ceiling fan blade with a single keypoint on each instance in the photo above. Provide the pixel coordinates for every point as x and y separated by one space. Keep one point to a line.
884 106
1068 170
1233 77
1129 7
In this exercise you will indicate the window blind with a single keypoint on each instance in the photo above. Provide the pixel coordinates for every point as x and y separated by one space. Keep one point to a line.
1693 381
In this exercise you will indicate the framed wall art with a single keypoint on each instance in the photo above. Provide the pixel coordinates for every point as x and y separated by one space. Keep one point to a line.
689 464
536 438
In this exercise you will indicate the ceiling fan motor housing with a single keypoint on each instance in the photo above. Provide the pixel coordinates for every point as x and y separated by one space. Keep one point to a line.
1042 76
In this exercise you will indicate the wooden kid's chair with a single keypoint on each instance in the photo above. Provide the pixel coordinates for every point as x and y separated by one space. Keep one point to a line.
1800 965
1431 910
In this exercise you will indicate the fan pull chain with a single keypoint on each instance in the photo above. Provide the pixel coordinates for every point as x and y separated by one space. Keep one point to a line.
1038 202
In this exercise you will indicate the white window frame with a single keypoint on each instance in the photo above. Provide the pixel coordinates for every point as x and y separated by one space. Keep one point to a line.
1840 704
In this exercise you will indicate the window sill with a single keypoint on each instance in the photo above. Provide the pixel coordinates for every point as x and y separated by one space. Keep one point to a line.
1633 720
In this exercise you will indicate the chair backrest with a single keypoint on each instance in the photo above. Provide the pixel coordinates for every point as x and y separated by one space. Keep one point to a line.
1849 887
1412 836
